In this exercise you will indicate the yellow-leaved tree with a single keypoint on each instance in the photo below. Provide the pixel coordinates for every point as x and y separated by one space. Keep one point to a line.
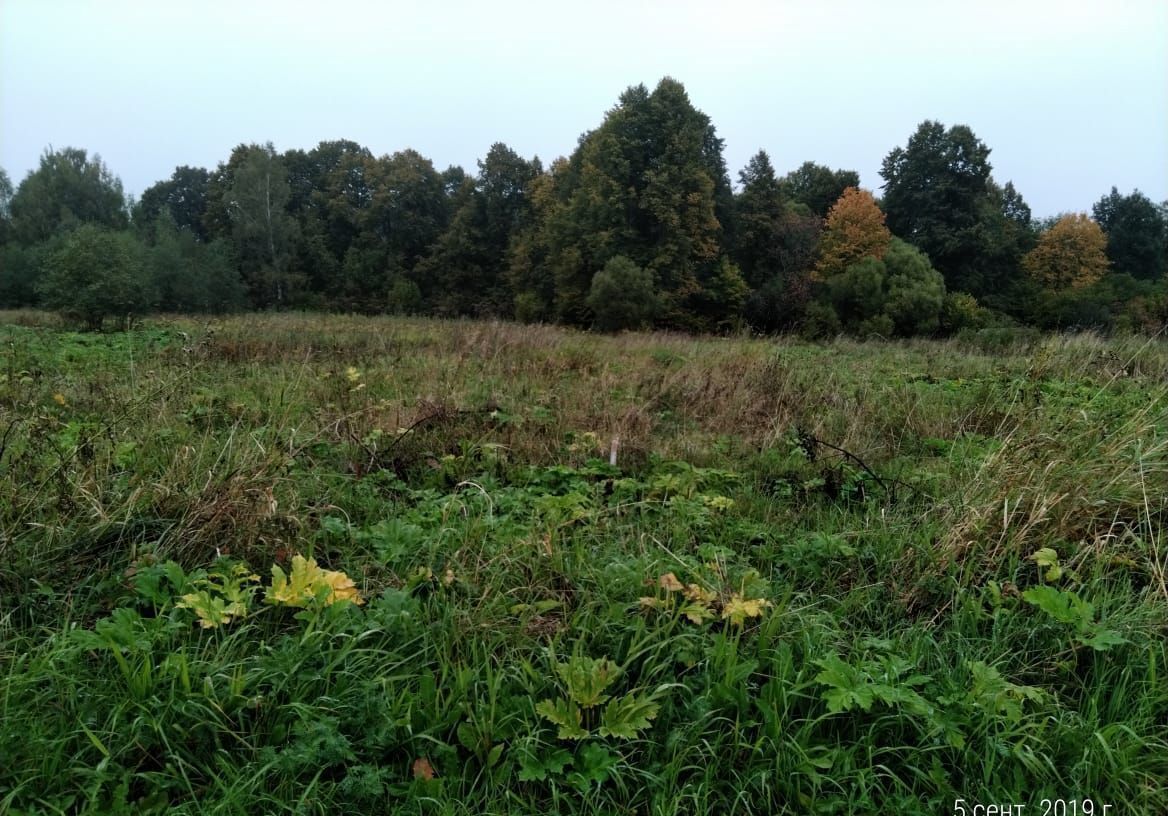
1070 255
854 230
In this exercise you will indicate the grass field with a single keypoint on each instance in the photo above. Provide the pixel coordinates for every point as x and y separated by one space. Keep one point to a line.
819 579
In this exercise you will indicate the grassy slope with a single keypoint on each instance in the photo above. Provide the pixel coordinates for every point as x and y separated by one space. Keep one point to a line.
900 666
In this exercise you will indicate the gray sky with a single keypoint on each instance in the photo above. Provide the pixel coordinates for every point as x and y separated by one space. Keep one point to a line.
1072 97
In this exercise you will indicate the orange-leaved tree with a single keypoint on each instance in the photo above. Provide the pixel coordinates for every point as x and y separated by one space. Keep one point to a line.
1070 255
854 230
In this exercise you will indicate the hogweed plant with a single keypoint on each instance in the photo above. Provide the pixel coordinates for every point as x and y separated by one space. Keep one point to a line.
585 682
221 597
308 584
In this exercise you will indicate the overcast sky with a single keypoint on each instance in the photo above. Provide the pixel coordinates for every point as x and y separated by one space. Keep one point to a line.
1072 97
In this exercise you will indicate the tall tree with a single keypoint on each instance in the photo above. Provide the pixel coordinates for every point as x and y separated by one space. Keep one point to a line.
182 198
1136 234
775 243
938 195
645 184
760 212
468 270
5 207
407 214
67 189
1070 255
253 199
818 187
189 275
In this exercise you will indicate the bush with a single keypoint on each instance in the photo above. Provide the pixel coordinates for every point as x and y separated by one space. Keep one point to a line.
622 296
960 310
529 308
96 274
404 297
915 291
821 322
900 295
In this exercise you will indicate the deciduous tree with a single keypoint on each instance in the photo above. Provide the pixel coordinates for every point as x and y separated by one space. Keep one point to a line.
939 196
6 192
854 230
254 200
67 189
622 296
818 187
1071 254
1136 234
182 198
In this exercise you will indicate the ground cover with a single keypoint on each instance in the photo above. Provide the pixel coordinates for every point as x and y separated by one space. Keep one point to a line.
292 563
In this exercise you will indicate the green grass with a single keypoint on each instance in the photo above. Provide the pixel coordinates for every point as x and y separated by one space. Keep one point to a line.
888 501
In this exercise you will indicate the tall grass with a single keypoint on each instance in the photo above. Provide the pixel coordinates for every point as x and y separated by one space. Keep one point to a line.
888 500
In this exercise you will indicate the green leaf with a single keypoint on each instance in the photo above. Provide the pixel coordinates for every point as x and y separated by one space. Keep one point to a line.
567 715
1103 639
586 679
1046 557
536 768
625 717
850 688
1064 607
593 763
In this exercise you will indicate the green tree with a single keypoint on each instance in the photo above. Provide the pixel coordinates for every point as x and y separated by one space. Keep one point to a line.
760 211
182 198
67 189
915 291
898 294
529 273
469 268
939 196
253 195
817 187
1137 235
775 244
20 268
189 275
648 184
5 207
622 296
96 274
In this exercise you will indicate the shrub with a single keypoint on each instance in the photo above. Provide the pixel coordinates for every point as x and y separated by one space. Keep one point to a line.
899 295
622 296
96 274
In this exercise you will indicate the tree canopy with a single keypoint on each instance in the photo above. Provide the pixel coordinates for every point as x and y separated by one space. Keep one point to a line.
1069 255
638 225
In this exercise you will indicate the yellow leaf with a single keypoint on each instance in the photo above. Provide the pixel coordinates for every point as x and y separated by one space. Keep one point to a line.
59 399
698 595
738 609
669 582
697 613
308 582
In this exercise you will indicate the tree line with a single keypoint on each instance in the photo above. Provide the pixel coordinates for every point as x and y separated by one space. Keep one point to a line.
640 226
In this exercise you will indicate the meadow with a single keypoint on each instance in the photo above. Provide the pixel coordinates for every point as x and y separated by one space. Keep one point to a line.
305 564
